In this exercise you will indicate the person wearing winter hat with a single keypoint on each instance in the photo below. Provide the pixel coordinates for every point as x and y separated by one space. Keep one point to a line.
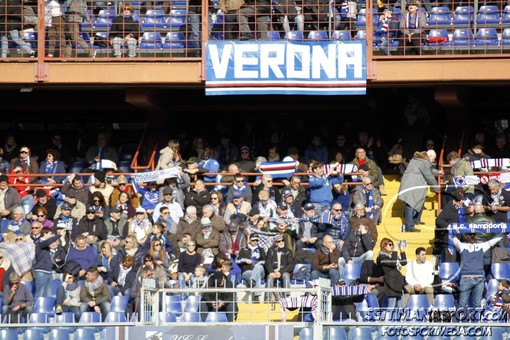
101 185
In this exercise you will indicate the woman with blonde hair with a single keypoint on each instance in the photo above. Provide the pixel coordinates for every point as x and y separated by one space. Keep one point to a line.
170 156
106 260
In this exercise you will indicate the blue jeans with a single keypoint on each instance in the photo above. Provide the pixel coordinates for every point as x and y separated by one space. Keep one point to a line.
471 287
256 275
43 283
411 215
333 274
14 34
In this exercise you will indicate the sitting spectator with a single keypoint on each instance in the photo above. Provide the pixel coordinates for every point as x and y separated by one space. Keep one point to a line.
10 196
358 247
27 163
217 262
68 296
92 228
125 206
77 209
42 217
140 226
188 261
240 185
21 182
160 273
217 221
42 201
100 205
122 276
371 274
279 264
232 241
83 254
116 229
100 186
125 30
199 280
94 293
160 234
188 224
132 248
419 277
359 217
208 241
237 206
220 301
158 253
17 299
501 297
251 259
325 261
370 197
198 197
52 165
18 224
74 187
106 260
122 186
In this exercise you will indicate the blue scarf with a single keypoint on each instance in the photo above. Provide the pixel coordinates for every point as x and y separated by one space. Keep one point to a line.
480 227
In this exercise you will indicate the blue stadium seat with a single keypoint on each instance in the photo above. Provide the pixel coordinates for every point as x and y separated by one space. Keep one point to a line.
60 334
173 304
444 302
294 35
30 285
500 270
487 37
440 10
439 20
360 333
505 37
306 333
462 37
488 16
192 303
505 16
39 318
177 18
174 40
491 288
361 18
115 317
190 317
318 35
84 333
44 304
154 19
418 305
9 334
438 37
33 334
65 317
351 272
167 317
90 317
463 16
361 35
449 271
119 303
273 35
216 317
335 332
341 35
104 18
372 301
151 41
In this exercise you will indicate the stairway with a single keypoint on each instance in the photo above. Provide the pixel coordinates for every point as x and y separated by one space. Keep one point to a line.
393 216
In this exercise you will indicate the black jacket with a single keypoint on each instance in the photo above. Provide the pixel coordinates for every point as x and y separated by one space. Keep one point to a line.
122 26
287 260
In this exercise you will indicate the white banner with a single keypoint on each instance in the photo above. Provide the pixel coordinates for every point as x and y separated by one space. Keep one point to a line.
155 176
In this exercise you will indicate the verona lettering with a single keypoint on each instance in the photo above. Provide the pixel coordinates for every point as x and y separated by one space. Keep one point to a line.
287 61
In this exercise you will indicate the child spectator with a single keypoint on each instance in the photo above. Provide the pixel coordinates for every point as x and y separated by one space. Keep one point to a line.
199 279
501 297
387 30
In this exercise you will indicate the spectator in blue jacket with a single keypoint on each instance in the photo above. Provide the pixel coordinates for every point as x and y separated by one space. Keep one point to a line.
321 183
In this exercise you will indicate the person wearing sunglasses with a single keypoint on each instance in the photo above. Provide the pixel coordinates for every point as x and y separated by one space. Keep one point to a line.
391 263
26 162
279 264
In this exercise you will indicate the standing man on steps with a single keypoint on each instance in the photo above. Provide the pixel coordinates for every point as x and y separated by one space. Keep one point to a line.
414 186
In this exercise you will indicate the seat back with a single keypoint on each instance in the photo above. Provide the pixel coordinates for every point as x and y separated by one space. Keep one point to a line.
444 302
352 271
439 10
463 15
306 333
439 19
341 35
115 317
505 36
462 37
438 37
216 317
84 333
90 317
190 317
500 270
167 317
33 334
177 18
60 334
487 36
192 303
39 318
361 35
360 333
318 35
151 40
44 304
294 35
9 334
449 271
173 304
119 303
65 317
335 332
